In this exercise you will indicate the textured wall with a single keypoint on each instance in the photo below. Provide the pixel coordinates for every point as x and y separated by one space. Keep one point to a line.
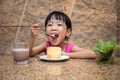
118 24
91 20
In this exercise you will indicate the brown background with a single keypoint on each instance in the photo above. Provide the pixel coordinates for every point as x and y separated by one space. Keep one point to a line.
91 20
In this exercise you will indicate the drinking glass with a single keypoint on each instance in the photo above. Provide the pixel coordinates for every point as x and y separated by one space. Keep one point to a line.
20 52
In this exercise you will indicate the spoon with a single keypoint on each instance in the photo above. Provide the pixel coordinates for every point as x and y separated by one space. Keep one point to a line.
52 35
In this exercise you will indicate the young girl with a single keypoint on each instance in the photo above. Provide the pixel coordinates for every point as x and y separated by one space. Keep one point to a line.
58 29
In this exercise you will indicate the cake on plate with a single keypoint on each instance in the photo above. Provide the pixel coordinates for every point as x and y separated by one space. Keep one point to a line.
53 52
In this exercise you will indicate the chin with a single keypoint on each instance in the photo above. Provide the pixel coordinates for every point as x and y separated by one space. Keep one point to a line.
55 43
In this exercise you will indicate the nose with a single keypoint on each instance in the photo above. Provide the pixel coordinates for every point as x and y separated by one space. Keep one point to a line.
54 28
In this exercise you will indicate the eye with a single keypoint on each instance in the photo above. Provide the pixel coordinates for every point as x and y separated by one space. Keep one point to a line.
49 24
60 24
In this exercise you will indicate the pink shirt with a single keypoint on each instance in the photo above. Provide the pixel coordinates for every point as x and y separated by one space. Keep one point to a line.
68 48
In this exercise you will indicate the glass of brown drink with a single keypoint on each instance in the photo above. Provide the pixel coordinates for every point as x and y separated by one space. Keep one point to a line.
20 52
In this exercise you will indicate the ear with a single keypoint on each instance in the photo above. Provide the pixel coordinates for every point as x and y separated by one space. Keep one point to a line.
68 33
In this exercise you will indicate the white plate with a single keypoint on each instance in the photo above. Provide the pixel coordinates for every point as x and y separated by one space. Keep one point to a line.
63 57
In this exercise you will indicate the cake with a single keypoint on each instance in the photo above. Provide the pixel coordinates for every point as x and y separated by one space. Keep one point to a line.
53 52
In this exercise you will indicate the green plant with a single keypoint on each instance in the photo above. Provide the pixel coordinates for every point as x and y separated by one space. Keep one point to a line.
105 49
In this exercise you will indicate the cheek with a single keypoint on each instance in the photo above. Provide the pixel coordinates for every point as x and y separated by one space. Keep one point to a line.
63 30
63 34
47 30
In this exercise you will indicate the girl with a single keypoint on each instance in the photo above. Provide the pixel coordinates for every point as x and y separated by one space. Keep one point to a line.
58 29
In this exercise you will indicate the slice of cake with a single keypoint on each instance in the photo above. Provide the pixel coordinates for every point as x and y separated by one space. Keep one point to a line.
53 52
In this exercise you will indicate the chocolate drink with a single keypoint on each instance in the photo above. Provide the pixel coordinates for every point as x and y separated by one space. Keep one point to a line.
20 54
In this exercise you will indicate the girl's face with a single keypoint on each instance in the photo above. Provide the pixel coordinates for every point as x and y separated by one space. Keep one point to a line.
59 28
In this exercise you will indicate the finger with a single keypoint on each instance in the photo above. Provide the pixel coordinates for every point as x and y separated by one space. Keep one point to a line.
36 25
35 28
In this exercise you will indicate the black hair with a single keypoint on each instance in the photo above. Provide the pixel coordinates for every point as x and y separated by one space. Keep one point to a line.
59 16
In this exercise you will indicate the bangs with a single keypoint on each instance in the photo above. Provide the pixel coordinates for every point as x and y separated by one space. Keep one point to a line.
57 17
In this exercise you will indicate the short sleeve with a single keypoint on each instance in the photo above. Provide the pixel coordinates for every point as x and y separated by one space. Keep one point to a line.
69 47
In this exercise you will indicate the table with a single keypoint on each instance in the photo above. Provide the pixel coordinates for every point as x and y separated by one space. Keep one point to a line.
72 69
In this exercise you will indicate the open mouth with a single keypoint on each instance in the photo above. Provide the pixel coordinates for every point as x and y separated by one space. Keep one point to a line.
54 35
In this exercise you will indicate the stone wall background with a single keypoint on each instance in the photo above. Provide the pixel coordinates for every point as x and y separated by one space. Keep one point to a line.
118 24
91 20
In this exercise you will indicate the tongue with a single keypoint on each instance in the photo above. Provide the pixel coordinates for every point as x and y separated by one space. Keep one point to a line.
55 37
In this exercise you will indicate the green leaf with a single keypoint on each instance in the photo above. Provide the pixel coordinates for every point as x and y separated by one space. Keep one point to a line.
98 50
109 46
114 44
117 47
101 44
114 41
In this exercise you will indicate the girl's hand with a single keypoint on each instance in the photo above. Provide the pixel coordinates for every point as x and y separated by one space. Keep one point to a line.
64 53
35 30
